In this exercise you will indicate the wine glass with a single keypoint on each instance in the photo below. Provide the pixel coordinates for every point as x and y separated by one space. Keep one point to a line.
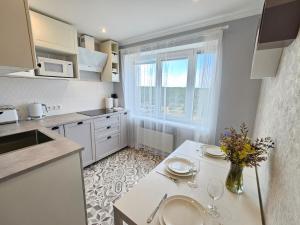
215 190
194 171
201 150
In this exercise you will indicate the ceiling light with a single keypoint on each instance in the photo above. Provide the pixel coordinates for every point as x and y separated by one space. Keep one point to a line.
103 30
195 1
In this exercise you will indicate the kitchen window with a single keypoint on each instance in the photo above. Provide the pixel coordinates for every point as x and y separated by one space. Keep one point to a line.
174 86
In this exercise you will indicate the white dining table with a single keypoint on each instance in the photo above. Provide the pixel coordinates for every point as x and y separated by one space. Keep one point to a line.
135 206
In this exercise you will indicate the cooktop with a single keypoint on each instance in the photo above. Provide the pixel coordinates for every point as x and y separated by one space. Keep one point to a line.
97 112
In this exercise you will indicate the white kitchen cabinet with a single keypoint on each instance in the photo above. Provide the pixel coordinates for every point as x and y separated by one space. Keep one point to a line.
107 135
58 129
53 35
107 145
16 45
82 133
50 194
123 129
106 121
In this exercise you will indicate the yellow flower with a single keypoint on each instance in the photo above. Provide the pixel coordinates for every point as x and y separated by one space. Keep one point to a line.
224 149
247 148
243 154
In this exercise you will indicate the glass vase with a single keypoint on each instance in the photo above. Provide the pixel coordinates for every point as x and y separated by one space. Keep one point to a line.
234 181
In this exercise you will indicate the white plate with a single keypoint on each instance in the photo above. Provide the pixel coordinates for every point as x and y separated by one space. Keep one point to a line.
177 174
179 165
214 151
181 210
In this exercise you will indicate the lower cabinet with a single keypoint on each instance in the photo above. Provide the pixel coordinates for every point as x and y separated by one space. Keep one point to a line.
100 137
107 145
82 133
57 198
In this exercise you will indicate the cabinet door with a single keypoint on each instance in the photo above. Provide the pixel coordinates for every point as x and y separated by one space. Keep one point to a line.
16 45
124 129
52 34
82 133
58 129
107 145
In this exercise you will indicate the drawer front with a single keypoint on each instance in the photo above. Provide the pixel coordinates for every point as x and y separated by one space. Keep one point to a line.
106 121
107 145
106 131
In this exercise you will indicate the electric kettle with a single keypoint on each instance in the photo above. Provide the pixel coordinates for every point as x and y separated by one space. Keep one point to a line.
37 110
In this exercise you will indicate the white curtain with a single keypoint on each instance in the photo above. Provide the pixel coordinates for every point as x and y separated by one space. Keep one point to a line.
171 89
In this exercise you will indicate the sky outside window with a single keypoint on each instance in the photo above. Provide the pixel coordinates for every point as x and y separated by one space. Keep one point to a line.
174 73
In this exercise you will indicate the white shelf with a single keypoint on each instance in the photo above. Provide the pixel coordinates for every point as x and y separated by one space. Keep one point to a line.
111 70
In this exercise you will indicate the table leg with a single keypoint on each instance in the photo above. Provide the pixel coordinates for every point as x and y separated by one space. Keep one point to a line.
121 219
117 217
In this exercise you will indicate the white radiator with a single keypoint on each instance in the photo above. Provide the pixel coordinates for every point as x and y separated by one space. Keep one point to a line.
154 139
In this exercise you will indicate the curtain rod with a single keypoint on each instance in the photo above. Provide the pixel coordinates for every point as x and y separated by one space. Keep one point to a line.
225 27
180 35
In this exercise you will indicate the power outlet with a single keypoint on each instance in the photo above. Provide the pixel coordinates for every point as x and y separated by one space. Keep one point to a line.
54 107
59 107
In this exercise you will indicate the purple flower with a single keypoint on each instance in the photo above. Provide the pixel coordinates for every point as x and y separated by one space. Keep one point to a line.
227 133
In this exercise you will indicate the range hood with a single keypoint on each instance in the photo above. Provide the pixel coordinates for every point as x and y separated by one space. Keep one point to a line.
92 61
278 28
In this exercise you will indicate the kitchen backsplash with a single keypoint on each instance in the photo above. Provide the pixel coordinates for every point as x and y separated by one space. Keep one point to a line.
72 96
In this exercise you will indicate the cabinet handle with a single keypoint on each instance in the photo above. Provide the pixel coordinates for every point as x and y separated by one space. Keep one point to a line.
79 123
107 117
108 127
54 128
109 137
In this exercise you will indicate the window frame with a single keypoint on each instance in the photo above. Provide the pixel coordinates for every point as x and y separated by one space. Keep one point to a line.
191 55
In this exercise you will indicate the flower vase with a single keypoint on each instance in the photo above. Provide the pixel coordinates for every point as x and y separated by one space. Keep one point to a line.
234 181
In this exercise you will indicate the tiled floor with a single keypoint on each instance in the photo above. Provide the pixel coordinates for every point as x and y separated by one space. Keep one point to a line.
106 180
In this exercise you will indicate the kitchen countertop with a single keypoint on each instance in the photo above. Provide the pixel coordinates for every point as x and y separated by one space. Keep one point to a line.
22 160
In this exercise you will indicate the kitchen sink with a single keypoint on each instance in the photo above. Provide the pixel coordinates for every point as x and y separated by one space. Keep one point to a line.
21 140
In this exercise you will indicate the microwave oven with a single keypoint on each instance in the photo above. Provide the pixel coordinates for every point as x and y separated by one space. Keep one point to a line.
54 67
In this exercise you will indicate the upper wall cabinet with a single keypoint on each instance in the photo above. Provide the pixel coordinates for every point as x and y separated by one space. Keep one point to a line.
16 45
278 28
53 35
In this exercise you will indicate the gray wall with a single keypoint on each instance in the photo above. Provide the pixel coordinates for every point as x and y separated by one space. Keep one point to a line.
239 95
278 116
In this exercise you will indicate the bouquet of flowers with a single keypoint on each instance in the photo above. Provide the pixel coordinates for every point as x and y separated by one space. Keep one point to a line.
239 149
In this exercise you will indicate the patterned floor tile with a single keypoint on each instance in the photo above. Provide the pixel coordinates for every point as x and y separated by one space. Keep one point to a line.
107 180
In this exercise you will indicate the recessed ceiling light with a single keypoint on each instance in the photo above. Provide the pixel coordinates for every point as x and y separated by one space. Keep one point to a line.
103 30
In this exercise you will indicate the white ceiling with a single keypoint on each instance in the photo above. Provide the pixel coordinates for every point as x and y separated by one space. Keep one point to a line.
133 20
